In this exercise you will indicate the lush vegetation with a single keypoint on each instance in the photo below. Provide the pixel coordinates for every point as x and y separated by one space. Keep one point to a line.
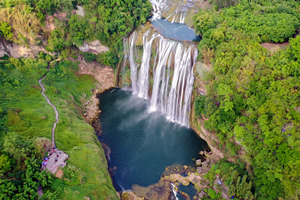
23 21
271 22
231 175
26 122
252 99
26 118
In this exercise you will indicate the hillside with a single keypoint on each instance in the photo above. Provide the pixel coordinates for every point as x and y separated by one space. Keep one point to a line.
48 31
252 100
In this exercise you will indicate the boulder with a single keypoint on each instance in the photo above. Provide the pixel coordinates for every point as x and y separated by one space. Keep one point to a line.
94 46
18 51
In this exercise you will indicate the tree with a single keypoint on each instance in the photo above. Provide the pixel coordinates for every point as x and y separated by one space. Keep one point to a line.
5 30
5 164
295 47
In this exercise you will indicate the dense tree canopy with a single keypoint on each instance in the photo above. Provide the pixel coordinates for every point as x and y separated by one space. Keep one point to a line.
271 22
253 100
109 21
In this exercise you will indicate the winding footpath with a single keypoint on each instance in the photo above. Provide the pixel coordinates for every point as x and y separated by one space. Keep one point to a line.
56 113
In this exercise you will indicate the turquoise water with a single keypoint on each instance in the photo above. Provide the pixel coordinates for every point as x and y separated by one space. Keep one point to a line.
176 31
142 144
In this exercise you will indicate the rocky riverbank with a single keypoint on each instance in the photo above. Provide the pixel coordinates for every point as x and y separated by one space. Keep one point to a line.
172 178
104 77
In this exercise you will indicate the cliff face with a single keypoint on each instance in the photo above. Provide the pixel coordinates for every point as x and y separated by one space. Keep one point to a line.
104 77
19 51
93 46
197 124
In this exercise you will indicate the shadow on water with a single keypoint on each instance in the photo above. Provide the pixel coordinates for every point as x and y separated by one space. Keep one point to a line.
186 192
142 144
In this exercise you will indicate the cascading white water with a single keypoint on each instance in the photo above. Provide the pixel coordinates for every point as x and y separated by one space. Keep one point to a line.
174 192
172 73
164 50
172 68
158 6
143 79
133 66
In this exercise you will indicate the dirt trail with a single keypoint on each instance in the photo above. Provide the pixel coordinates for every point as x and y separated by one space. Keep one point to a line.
55 110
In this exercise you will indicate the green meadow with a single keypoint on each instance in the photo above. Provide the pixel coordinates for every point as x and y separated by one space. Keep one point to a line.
28 114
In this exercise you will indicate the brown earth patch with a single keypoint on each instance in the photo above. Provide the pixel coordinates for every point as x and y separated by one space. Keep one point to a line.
59 173
274 47
104 75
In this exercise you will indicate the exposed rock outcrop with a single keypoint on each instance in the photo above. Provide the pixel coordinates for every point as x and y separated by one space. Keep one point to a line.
130 195
198 124
209 137
79 11
274 47
158 191
18 51
200 70
104 75
50 24
94 47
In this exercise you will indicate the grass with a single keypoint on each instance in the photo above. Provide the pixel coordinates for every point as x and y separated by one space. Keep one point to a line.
29 115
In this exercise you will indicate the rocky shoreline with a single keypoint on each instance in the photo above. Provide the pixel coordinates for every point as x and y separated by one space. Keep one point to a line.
104 77
175 176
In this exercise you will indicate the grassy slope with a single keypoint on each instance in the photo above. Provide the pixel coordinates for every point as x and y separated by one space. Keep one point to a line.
30 115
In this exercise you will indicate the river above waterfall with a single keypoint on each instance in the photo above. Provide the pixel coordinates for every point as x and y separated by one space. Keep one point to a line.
142 144
176 31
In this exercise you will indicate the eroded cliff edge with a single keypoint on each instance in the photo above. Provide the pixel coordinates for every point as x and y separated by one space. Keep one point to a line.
104 77
197 124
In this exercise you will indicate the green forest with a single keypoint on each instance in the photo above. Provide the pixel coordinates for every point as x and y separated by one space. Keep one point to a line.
26 118
107 20
253 96
252 102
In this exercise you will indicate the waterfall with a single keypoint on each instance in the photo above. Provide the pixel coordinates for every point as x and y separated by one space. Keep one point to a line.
161 70
158 6
176 11
143 80
133 66
174 192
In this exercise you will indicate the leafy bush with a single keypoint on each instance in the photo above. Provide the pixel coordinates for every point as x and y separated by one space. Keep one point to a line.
5 30
108 58
199 105
56 42
90 57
